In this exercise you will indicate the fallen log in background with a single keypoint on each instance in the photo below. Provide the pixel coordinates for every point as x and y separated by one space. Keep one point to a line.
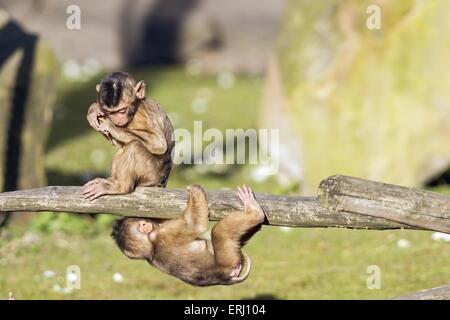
440 293
414 207
291 211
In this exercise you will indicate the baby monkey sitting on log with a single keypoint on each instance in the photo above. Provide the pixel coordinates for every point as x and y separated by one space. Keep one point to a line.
141 130
176 247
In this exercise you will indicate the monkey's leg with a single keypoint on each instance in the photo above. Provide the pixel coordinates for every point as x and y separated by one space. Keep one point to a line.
126 166
196 213
194 221
233 231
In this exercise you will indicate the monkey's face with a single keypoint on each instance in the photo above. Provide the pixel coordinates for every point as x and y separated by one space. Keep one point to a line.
144 227
136 242
141 230
120 116
119 95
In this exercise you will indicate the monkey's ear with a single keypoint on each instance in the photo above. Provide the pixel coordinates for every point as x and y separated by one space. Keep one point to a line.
139 90
97 88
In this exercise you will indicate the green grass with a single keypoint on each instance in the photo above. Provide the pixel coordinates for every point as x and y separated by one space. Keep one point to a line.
294 264
300 264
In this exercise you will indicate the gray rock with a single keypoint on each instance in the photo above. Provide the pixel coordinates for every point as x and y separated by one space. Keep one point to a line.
367 103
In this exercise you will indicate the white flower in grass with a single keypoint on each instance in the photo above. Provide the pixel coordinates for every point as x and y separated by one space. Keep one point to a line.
226 80
48 274
117 277
440 236
403 243
285 229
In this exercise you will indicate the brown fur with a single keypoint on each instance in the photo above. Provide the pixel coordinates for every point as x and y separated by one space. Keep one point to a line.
179 250
145 145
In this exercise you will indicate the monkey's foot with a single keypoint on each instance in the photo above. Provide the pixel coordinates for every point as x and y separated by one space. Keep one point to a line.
248 199
96 190
196 192
236 271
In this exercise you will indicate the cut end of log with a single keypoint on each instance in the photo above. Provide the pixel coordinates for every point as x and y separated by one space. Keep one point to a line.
413 207
330 183
326 192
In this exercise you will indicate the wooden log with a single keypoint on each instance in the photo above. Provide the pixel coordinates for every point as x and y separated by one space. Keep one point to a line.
440 293
292 211
416 208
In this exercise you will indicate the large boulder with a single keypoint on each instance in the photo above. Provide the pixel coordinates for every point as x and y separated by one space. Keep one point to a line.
28 76
362 102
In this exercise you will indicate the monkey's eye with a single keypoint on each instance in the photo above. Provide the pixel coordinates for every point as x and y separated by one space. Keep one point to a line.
123 111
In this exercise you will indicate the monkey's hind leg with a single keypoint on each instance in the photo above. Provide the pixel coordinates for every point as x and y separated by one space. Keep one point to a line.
233 231
196 213
126 165
194 222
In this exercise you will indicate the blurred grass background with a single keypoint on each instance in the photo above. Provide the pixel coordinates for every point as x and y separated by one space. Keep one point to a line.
287 263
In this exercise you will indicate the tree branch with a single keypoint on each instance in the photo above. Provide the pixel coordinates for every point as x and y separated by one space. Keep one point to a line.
291 211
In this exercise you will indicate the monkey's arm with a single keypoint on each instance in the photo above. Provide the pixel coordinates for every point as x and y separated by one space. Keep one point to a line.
154 134
155 141
122 136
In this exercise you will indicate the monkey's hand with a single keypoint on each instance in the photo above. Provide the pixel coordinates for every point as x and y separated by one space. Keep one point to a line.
117 135
96 188
94 115
113 134
107 128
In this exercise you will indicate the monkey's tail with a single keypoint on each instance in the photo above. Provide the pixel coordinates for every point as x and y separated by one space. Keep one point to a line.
245 273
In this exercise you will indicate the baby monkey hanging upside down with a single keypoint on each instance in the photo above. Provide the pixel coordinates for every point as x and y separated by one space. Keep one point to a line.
176 247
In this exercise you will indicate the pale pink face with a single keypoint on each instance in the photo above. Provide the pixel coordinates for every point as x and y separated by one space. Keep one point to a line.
142 229
119 116
145 227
